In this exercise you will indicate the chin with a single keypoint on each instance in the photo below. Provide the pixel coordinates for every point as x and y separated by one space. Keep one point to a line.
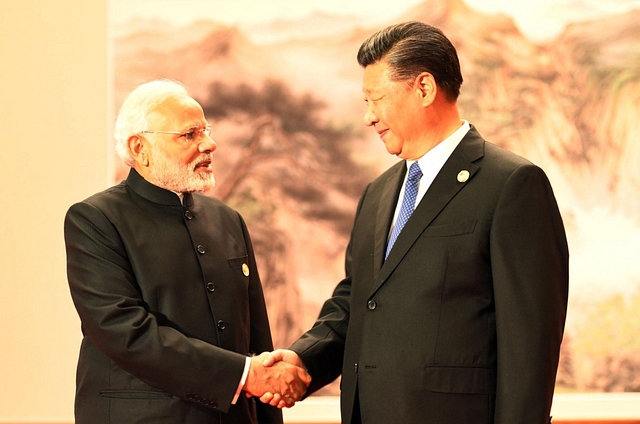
207 185
393 150
394 153
200 183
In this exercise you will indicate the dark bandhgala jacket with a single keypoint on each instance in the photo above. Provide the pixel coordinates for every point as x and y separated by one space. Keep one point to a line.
463 322
171 304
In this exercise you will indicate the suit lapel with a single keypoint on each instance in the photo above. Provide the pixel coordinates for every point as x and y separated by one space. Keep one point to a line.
386 208
445 186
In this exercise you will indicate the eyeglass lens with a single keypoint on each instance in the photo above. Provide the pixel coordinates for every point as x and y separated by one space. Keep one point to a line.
197 133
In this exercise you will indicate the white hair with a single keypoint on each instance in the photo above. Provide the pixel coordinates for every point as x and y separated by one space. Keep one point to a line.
133 116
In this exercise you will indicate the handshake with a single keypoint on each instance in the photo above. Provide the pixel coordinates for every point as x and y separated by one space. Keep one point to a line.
278 378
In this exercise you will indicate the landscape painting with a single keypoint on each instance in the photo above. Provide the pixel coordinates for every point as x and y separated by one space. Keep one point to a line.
282 91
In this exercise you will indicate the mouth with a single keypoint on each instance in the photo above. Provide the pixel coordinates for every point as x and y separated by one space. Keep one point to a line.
203 164
381 133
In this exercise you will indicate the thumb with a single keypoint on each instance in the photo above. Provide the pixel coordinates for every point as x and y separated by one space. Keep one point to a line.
273 357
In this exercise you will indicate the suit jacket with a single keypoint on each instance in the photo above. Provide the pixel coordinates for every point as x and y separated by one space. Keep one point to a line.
463 321
171 304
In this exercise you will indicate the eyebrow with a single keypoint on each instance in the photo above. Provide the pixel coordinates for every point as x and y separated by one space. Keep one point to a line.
193 127
373 96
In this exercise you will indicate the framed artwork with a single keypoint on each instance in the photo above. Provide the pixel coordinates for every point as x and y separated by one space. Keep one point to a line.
555 81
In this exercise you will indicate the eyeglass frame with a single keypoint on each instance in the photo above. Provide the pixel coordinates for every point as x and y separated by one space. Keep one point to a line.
199 130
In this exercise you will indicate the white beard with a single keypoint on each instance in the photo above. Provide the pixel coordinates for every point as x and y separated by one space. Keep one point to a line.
169 174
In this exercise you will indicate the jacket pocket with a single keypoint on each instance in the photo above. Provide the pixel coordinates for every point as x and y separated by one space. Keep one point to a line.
457 229
463 380
145 406
134 394
238 262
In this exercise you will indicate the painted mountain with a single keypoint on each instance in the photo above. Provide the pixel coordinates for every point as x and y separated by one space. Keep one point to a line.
293 156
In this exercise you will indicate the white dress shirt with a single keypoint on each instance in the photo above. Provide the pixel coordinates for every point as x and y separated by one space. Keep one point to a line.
430 164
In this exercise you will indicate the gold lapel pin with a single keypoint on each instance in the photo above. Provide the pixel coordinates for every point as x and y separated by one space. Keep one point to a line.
463 176
245 270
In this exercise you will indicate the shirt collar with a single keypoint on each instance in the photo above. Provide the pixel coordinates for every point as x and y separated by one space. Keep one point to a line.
434 159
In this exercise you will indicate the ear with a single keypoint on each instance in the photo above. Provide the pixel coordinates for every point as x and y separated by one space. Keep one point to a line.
427 88
139 149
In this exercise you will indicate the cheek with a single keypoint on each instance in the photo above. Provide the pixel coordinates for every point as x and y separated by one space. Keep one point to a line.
187 156
187 162
403 118
393 111
393 118
383 113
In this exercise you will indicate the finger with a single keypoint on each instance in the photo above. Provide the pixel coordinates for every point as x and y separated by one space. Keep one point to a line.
304 377
307 378
295 389
263 356
287 402
269 361
301 389
267 397
277 399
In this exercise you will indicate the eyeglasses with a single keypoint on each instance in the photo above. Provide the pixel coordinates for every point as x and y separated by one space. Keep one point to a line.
192 135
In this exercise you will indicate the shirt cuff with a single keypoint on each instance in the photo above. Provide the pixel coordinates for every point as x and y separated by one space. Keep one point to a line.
243 380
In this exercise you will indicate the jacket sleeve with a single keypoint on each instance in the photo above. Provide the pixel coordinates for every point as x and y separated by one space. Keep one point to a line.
529 259
322 347
114 318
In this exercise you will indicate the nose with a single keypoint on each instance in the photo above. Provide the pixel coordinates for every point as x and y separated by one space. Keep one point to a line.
207 144
370 117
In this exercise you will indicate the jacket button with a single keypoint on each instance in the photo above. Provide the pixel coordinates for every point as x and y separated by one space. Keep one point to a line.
201 249
188 215
222 325
372 305
211 287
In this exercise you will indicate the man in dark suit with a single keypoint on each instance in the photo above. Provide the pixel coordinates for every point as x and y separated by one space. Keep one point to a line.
453 305
166 285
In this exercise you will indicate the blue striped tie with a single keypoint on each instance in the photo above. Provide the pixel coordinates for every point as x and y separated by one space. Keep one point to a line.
408 203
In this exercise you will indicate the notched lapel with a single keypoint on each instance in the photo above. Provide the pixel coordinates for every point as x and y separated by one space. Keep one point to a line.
386 208
445 186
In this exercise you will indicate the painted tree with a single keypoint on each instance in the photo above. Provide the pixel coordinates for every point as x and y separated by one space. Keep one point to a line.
290 170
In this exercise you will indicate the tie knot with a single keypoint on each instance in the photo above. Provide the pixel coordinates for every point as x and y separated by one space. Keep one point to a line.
414 172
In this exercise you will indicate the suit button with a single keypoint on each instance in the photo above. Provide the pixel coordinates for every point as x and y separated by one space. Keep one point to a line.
222 325
201 249
211 287
372 305
188 215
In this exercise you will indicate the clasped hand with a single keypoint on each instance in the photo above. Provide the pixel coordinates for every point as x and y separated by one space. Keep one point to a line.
277 378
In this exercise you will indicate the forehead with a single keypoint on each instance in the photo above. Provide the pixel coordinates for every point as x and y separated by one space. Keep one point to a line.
376 77
177 110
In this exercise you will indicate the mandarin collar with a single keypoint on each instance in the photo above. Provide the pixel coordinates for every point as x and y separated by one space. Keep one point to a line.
154 193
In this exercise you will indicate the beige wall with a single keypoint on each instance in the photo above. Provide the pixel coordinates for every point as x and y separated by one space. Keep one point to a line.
53 130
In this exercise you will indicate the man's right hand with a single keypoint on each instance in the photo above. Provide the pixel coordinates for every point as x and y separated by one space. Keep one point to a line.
278 377
275 357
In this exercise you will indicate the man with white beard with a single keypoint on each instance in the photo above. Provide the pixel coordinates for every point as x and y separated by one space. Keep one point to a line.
165 283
